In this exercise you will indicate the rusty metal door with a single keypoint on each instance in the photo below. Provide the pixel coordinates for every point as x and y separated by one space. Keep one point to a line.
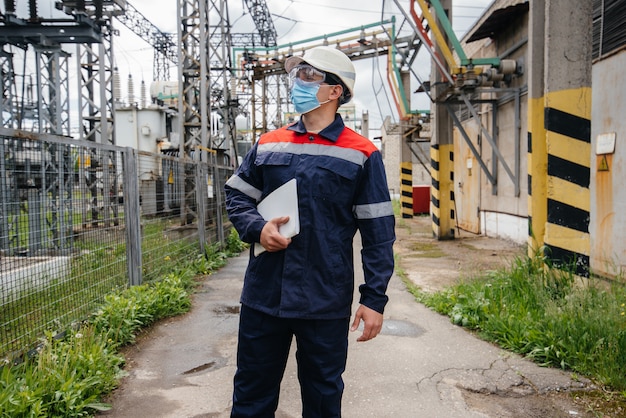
467 180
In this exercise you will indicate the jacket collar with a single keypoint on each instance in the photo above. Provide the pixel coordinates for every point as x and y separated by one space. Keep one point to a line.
331 132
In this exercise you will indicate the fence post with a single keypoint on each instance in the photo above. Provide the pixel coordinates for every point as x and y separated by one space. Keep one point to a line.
219 202
4 199
132 217
201 198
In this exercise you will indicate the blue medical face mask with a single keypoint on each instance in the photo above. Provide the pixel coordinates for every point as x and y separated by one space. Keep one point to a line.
304 96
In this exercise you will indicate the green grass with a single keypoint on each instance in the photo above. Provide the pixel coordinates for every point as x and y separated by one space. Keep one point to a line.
545 314
69 373
427 250
395 203
31 313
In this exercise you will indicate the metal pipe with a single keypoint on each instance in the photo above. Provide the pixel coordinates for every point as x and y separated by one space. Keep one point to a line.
290 45
400 105
494 155
425 42
518 127
517 45
487 135
471 146
447 27
443 44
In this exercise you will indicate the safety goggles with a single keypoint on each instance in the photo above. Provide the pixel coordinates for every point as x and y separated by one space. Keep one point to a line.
307 74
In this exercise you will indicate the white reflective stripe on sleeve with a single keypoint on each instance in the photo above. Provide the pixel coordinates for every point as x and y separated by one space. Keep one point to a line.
238 183
374 210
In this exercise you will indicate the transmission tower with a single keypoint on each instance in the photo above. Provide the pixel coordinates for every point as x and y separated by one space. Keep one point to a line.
263 21
8 114
207 104
86 27
164 44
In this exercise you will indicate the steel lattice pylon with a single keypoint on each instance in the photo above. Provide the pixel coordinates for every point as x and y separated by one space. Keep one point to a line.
223 107
96 113
58 186
7 78
90 28
206 108
53 90
96 123
263 21
193 68
193 84
270 96
164 44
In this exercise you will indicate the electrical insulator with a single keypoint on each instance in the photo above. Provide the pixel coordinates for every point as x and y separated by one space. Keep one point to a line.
508 66
117 85
143 94
131 90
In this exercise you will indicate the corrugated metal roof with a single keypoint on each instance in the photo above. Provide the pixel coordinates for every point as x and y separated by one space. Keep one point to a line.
497 16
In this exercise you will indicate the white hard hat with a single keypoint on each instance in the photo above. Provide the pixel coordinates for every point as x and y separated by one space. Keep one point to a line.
330 60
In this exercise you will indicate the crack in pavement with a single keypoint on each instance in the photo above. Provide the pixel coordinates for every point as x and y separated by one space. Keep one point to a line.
500 378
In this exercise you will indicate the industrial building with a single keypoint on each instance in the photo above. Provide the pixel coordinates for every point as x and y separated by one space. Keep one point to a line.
535 157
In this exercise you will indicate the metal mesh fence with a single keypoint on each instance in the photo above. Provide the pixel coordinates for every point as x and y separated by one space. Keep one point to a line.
81 220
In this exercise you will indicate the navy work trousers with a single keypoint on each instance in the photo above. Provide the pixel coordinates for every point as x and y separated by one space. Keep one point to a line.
262 352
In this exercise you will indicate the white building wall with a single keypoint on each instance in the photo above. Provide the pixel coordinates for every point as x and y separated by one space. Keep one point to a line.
607 224
391 148
391 152
503 225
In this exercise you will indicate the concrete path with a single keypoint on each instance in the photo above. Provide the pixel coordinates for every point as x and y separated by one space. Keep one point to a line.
420 366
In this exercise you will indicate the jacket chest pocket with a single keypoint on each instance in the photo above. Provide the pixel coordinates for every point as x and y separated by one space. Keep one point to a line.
276 169
335 182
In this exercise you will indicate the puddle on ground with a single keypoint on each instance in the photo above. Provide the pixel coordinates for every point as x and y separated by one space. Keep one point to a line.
226 310
401 328
200 368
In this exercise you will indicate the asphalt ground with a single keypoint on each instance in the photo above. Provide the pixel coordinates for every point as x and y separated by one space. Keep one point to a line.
420 365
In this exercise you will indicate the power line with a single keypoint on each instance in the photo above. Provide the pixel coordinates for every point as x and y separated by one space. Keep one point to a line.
325 6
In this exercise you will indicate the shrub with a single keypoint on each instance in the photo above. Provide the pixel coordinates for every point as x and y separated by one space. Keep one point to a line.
66 378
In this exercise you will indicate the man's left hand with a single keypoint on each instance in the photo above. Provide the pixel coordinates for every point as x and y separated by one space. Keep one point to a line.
373 322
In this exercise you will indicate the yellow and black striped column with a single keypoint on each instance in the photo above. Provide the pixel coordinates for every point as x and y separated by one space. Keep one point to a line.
559 132
568 139
406 189
442 151
442 190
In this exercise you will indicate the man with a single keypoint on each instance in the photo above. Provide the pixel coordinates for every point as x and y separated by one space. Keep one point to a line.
303 286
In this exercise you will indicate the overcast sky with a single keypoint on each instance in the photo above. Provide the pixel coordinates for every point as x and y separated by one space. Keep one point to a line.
294 20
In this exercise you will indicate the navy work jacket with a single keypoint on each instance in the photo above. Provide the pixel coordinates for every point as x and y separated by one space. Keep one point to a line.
342 187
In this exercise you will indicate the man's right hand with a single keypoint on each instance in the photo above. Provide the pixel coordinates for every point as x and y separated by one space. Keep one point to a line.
271 239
